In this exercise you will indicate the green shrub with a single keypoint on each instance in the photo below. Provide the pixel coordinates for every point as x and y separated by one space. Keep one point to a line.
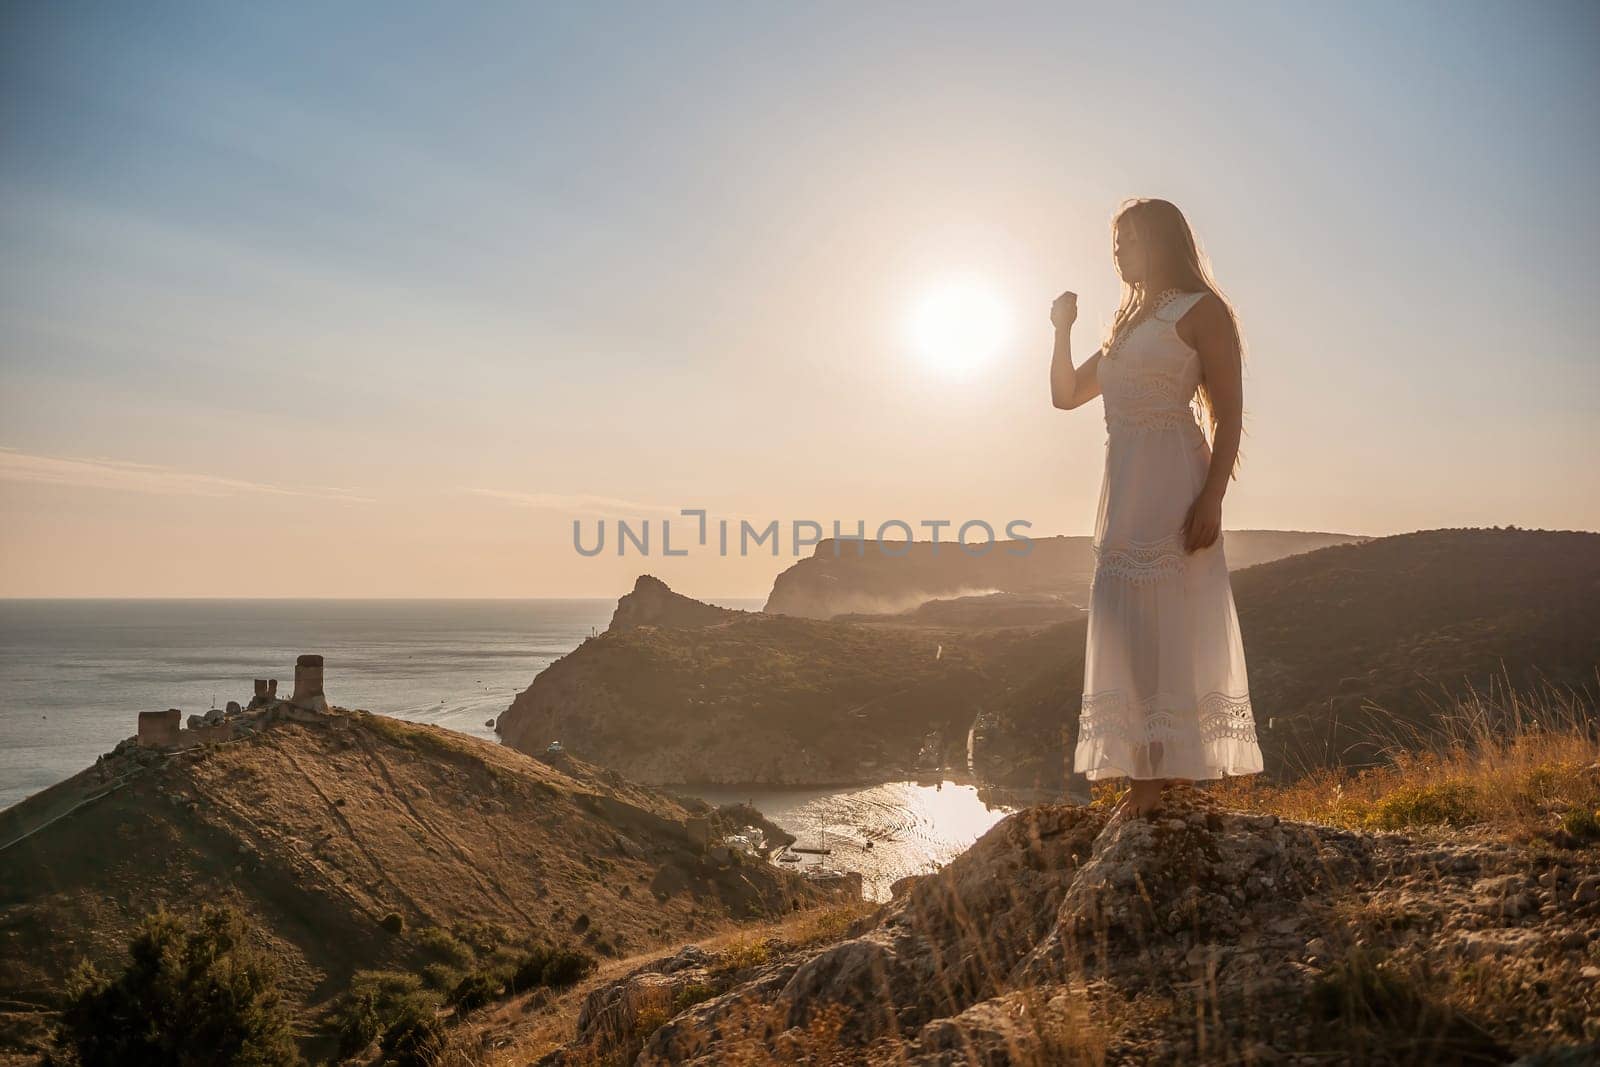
356 1023
529 971
476 990
545 966
415 1039
194 991
692 994
445 947
483 938
740 954
567 966
1445 804
1581 823
393 922
374 1002
440 976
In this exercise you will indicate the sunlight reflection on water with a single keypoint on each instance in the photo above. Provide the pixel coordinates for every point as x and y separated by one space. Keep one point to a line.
912 828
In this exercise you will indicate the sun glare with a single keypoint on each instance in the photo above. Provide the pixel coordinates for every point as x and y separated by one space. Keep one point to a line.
958 326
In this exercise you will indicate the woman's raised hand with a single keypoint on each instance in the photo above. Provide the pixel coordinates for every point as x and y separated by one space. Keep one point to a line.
1064 312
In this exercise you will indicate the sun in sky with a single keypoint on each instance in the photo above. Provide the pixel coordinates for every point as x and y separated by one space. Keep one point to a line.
958 325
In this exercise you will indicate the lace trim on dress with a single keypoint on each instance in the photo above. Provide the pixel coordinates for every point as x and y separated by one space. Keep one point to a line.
1149 384
1141 562
1162 299
1141 721
1151 419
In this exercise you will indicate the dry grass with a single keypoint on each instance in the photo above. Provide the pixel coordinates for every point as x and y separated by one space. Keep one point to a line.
1517 763
525 1028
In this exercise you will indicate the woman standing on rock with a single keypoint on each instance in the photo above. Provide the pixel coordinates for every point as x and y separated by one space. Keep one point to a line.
1165 697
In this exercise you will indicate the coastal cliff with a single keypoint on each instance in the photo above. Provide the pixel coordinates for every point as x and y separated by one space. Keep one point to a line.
841 578
756 698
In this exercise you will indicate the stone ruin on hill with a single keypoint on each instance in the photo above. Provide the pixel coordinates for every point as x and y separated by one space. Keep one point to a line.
307 694
165 729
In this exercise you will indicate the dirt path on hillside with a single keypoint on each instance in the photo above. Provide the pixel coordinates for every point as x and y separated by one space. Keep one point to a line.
488 884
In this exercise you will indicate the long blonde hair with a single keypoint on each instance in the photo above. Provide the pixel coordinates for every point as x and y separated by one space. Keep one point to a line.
1164 231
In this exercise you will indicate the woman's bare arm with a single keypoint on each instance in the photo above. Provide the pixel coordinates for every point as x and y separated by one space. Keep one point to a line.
1210 331
1070 386
1084 381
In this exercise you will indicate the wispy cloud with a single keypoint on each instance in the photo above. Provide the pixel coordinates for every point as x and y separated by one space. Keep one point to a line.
123 476
577 503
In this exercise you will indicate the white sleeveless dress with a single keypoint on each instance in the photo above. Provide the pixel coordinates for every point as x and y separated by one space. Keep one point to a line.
1164 687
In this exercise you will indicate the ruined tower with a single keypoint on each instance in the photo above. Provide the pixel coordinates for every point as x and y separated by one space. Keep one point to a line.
159 729
308 684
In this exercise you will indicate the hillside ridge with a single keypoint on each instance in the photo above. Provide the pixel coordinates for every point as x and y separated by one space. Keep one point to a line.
326 828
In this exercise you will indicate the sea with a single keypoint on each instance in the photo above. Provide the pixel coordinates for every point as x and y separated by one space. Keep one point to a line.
74 674
884 831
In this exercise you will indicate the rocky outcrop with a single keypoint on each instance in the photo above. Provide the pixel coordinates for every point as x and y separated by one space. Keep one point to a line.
755 698
1196 935
652 603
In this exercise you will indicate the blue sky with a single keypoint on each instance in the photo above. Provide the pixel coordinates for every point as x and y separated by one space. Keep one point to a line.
374 299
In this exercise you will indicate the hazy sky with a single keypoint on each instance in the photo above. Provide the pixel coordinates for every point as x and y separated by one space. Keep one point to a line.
372 299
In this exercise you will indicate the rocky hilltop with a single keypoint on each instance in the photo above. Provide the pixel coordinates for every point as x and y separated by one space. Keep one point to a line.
353 841
843 578
653 604
1200 935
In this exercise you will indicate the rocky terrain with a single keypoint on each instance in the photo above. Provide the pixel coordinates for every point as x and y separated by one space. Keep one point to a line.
1199 935
840 578
1351 648
354 841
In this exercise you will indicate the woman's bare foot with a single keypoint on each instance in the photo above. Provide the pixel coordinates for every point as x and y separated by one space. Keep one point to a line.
1143 797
